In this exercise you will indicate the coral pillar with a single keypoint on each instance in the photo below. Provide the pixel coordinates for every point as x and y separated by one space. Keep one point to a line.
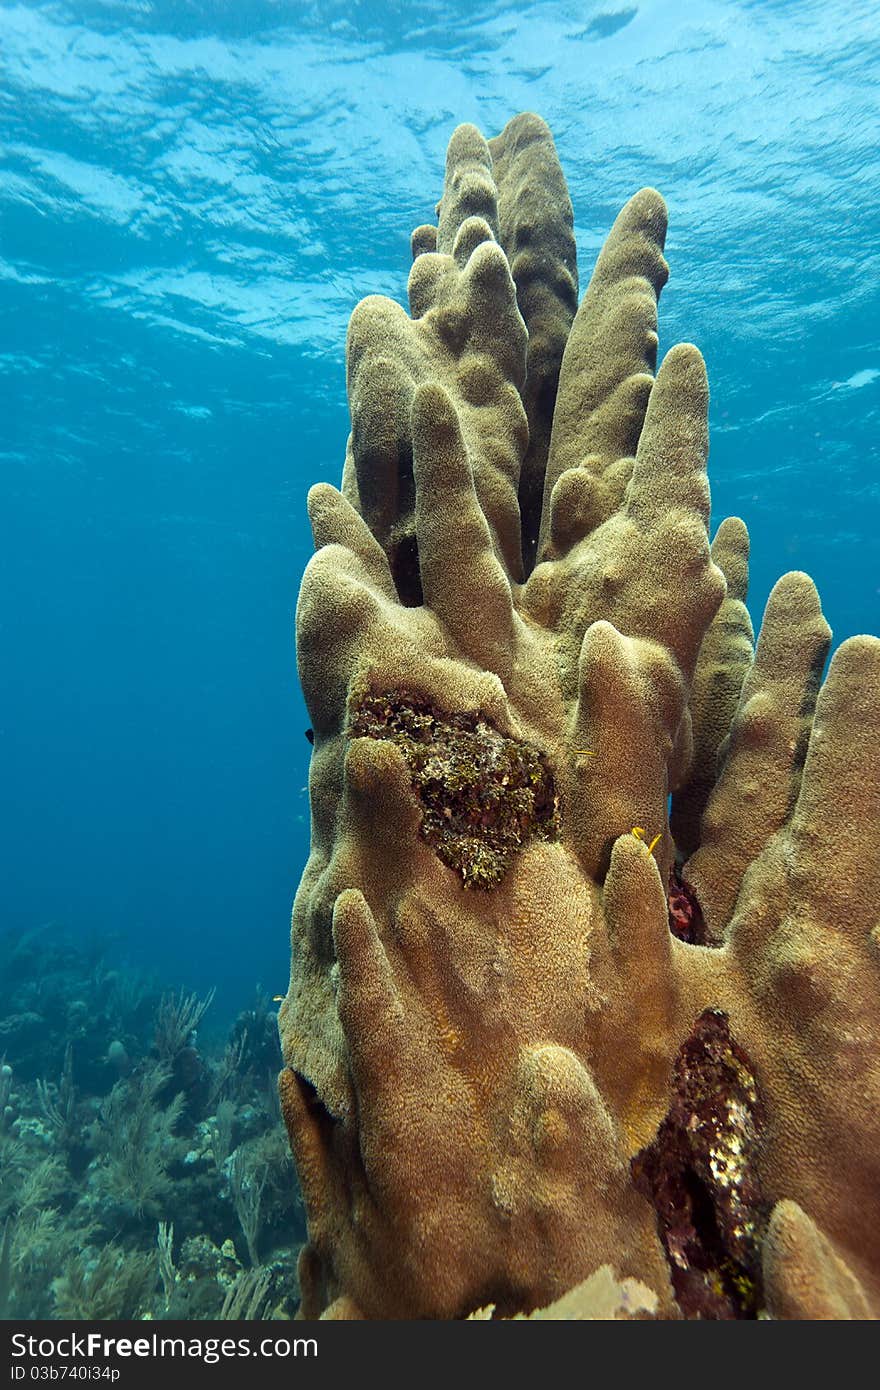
504 1071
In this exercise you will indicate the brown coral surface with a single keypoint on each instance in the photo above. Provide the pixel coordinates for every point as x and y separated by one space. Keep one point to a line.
540 1029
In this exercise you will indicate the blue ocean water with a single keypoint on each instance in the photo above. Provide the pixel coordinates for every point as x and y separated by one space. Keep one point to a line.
194 196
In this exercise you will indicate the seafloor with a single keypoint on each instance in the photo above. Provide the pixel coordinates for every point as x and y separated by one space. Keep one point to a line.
144 1168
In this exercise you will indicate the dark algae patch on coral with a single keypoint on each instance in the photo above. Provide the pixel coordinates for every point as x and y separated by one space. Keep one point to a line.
483 795
699 1175
686 920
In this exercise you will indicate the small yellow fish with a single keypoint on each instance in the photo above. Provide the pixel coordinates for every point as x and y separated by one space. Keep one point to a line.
639 832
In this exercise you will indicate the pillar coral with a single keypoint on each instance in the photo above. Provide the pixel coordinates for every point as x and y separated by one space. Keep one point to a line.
504 1073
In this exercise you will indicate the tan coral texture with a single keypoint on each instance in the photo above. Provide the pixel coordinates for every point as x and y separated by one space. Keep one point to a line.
541 1029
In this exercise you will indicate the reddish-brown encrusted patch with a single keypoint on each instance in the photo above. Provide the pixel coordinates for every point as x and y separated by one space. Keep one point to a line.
699 1175
483 795
686 919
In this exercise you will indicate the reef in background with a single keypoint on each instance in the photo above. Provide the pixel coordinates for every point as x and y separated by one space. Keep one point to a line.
144 1169
541 1034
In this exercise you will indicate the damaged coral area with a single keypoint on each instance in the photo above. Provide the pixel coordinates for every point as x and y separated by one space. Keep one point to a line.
700 1175
483 795
582 1015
